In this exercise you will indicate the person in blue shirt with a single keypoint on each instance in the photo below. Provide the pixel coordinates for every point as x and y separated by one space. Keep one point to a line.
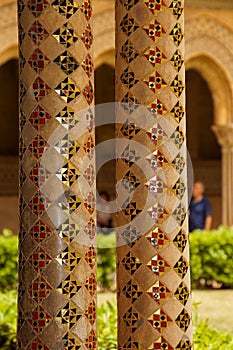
200 216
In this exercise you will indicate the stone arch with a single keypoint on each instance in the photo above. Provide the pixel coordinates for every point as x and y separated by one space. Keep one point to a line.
209 51
107 57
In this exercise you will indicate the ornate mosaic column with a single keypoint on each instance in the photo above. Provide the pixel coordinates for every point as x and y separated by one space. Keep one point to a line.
154 305
57 262
224 135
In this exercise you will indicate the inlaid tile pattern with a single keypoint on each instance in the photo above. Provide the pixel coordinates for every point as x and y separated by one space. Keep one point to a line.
54 300
153 265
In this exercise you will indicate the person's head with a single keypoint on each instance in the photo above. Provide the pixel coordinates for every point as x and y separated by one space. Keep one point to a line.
105 196
198 189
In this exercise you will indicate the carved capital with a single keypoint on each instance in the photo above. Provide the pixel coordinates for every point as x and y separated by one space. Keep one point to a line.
224 134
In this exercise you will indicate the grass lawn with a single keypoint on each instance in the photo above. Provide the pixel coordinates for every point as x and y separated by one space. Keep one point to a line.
216 305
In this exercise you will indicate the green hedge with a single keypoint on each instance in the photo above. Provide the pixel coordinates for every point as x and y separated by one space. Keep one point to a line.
8 261
211 257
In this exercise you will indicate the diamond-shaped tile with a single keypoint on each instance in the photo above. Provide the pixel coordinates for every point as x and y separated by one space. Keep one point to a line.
66 35
65 7
88 93
155 56
37 6
128 4
157 238
182 293
40 289
154 30
69 258
66 62
87 37
68 90
177 112
177 60
155 82
155 6
39 117
131 263
180 240
128 25
86 9
39 259
69 287
68 230
38 33
176 8
128 78
68 315
178 137
183 320
40 89
179 188
67 118
160 320
179 214
38 61
177 86
38 146
87 65
40 231
128 52
158 265
176 34
181 267
68 174
159 292
40 319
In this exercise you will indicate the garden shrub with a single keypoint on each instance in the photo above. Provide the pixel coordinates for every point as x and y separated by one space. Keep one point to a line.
107 326
211 256
8 260
106 261
8 315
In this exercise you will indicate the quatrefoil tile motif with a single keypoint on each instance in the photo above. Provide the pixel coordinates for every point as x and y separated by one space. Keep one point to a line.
183 320
178 137
176 8
39 117
179 214
155 82
157 108
66 62
38 61
177 60
157 238
87 38
65 8
176 34
40 319
68 315
160 320
161 343
154 30
68 174
128 52
177 112
37 6
37 33
155 56
128 78
128 4
159 292
86 9
158 265
182 293
128 25
87 65
155 6
177 86
179 188
68 90
67 118
66 35
181 267
40 89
